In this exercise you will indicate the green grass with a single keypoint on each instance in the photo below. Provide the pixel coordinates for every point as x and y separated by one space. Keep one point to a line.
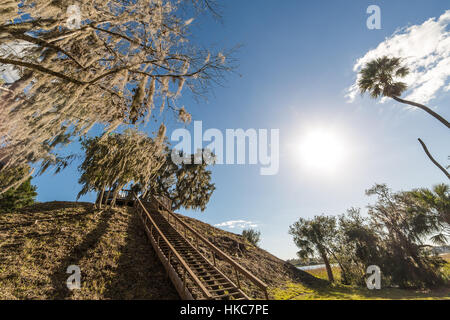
296 291
321 273
446 269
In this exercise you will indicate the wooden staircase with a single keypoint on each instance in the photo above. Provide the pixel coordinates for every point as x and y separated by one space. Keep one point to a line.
194 276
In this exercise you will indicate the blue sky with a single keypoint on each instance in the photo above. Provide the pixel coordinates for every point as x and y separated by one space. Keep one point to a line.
296 65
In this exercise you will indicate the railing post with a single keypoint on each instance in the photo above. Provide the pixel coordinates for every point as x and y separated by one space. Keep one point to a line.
237 277
196 237
266 294
184 280
168 262
172 251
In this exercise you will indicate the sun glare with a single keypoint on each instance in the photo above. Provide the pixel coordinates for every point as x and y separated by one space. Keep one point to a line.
322 150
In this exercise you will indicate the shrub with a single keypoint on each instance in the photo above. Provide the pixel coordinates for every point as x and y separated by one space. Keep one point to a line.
252 236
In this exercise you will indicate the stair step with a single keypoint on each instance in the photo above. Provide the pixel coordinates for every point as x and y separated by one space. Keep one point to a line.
217 280
223 289
227 295
213 280
204 273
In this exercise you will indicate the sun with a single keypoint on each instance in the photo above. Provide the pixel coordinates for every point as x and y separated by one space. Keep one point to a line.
322 149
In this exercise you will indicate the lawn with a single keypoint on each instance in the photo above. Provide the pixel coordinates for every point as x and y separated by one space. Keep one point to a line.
295 291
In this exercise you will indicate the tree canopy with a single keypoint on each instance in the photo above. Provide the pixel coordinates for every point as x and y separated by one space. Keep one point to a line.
123 60
119 159
394 235
21 194
315 236
252 236
132 158
185 184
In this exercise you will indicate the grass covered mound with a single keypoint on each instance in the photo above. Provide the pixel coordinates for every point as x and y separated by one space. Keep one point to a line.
38 243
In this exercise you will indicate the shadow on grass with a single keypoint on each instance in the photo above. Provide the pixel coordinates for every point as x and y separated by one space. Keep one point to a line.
310 281
55 205
90 241
40 213
139 273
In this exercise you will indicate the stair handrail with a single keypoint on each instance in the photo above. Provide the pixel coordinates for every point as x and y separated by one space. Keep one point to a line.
174 251
215 249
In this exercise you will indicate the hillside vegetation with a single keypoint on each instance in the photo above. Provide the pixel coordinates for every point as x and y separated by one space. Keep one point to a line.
288 283
38 243
297 291
268 268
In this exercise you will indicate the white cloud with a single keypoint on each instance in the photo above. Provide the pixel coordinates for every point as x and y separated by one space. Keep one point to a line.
426 51
236 224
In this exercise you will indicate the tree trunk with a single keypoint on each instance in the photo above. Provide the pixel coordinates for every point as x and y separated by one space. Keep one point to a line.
327 266
113 201
433 160
116 192
343 270
107 196
100 200
424 108
98 197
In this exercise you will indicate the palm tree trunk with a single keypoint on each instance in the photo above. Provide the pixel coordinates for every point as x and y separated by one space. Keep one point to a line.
424 108
433 160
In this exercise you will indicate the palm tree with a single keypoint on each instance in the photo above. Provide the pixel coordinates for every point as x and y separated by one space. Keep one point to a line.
378 78
436 203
